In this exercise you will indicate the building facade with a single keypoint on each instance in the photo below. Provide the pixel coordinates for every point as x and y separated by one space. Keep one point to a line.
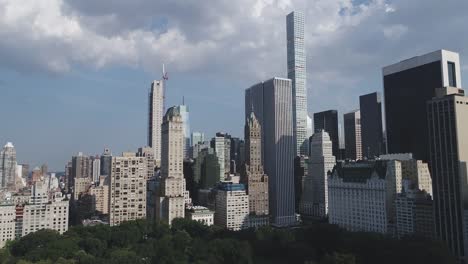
361 195
297 72
254 176
414 214
271 102
155 117
448 144
170 202
232 207
352 132
408 85
185 114
328 121
44 213
7 223
371 125
314 201
200 214
8 167
127 197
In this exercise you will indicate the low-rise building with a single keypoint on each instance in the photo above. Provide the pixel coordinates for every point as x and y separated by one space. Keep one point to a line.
200 214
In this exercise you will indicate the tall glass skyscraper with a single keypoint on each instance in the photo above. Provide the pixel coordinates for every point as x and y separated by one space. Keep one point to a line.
296 56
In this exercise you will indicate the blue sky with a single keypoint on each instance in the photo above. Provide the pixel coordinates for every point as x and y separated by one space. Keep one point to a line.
74 75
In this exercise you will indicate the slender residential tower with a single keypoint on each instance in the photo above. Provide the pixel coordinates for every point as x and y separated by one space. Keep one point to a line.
170 202
352 131
271 102
155 115
296 56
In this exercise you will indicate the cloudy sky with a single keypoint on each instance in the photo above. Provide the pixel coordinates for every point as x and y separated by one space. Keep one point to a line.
74 75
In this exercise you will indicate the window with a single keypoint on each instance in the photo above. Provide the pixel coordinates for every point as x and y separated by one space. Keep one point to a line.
451 74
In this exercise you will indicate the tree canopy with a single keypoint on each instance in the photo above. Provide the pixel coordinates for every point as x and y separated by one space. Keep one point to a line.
187 241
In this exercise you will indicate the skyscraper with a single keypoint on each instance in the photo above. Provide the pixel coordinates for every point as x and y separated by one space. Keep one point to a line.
254 176
106 162
8 166
448 141
271 102
155 117
328 121
96 169
81 166
352 131
408 85
217 143
170 202
296 56
197 138
371 125
314 201
184 113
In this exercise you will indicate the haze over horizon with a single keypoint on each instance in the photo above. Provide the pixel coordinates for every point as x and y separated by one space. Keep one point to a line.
75 75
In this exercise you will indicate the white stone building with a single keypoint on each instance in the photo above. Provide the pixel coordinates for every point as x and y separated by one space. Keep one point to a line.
232 206
314 200
200 214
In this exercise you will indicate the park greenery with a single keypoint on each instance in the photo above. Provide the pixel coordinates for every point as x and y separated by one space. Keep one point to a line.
187 241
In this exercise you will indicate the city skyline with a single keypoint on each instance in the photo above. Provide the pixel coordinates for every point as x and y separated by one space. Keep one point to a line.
58 102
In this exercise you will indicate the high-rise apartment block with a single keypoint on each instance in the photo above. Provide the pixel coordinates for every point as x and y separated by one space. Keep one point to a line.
271 102
96 169
100 196
447 114
352 132
297 72
232 206
408 85
42 212
170 201
218 144
8 167
328 121
155 117
414 214
371 125
127 188
314 201
254 176
7 223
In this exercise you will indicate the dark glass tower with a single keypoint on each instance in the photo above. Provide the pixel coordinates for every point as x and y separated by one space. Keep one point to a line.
371 125
408 85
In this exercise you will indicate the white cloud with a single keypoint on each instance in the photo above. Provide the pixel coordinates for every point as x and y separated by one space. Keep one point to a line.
395 32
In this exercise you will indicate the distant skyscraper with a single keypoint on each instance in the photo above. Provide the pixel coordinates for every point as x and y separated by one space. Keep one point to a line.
96 169
155 117
197 138
82 166
296 56
217 143
254 176
408 85
371 125
328 121
8 166
106 162
314 201
271 102
448 140
127 188
170 203
352 131
184 113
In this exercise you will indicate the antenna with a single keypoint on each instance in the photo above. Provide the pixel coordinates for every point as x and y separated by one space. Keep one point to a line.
183 100
165 77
